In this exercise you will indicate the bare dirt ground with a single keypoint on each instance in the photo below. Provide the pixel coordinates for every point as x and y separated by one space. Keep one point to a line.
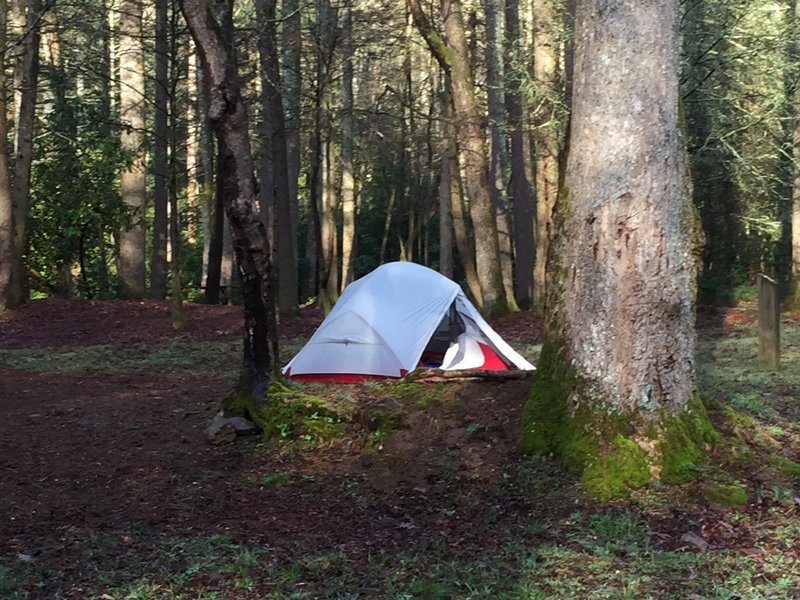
112 453
118 460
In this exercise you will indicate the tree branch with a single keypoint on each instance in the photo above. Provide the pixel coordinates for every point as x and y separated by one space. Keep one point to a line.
435 42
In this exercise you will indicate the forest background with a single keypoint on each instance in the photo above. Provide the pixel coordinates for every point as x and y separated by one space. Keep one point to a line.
356 151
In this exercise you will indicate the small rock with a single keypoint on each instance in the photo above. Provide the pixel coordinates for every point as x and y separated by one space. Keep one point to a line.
695 540
24 557
220 431
243 426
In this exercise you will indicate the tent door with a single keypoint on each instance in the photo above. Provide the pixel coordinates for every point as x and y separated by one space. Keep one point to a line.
446 333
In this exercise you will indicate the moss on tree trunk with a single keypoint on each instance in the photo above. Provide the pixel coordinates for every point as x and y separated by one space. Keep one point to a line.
612 452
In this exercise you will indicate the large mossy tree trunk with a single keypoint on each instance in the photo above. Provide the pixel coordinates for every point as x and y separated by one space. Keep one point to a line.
228 115
614 393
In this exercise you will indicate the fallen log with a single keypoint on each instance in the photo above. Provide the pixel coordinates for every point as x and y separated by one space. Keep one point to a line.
439 375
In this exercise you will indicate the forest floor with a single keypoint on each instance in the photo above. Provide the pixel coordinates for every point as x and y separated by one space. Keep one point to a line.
108 489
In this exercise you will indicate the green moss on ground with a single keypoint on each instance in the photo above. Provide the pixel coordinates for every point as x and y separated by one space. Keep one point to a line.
288 414
786 466
725 494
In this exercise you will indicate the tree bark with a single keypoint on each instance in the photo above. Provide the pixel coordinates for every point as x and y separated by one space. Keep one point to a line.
454 58
291 78
6 202
348 180
26 73
546 138
131 268
522 197
461 227
158 272
274 159
497 142
175 242
228 115
323 197
445 195
174 77
793 299
615 388
216 231
192 147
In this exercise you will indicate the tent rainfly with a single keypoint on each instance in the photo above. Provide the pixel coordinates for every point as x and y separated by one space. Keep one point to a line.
400 317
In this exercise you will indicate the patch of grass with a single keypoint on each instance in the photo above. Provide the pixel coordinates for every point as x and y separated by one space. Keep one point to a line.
413 395
8 584
212 358
609 555
273 479
751 403
618 533
728 369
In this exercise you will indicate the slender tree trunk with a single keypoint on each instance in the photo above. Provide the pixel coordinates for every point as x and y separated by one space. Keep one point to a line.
348 180
614 392
158 274
387 224
192 148
216 233
291 80
175 79
793 299
323 196
212 194
461 226
406 191
131 268
547 139
26 72
290 77
6 202
445 195
329 253
497 142
175 243
520 186
274 161
453 57
228 114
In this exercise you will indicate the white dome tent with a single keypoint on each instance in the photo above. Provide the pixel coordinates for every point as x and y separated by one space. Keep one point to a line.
399 317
